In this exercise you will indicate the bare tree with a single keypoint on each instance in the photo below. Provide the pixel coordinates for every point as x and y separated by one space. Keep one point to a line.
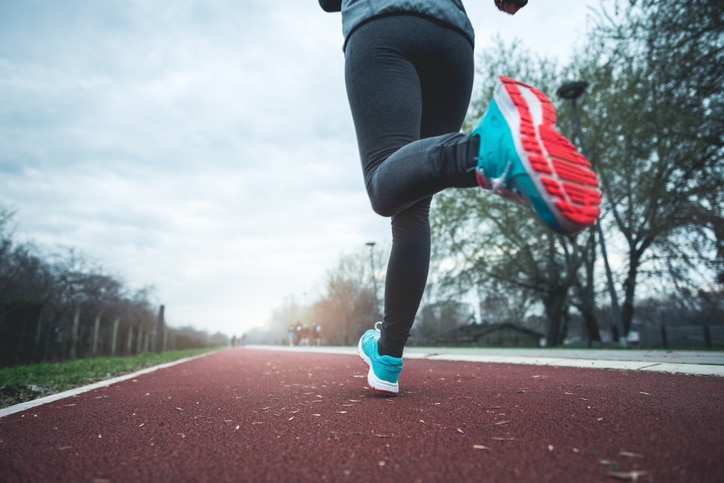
657 113
349 300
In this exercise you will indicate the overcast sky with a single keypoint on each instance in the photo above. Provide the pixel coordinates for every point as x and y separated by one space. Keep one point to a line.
204 147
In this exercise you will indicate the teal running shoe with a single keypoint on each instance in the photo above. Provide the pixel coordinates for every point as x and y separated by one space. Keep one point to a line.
384 371
525 159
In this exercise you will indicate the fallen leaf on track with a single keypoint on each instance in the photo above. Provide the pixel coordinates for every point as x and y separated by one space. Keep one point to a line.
630 454
627 475
481 446
609 464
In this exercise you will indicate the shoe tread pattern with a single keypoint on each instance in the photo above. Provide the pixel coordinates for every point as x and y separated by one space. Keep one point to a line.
564 173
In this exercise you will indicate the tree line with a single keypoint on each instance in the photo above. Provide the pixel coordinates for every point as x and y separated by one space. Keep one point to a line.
60 306
651 119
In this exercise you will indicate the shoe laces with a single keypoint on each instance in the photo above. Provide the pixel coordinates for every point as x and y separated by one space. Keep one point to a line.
498 187
377 326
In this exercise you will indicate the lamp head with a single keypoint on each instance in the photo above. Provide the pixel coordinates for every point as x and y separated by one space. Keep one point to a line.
572 90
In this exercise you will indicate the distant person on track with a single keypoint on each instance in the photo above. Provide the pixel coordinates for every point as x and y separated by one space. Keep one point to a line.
298 334
409 74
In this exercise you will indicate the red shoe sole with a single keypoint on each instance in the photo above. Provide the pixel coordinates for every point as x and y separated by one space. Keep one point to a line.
564 173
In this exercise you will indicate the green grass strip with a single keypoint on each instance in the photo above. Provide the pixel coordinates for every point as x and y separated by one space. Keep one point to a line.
23 383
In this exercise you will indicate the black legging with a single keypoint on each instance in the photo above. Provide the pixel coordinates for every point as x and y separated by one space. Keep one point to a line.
409 82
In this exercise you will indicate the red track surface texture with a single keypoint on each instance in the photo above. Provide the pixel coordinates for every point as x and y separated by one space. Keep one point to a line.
258 415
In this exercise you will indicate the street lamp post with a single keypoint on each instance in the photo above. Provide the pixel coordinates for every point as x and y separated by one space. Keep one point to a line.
372 275
571 91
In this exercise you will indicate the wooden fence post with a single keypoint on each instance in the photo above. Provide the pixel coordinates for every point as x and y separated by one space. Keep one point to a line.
38 332
159 331
74 334
39 329
129 342
96 328
139 339
115 336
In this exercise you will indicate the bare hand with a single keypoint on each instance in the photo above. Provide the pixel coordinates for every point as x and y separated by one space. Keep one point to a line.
510 6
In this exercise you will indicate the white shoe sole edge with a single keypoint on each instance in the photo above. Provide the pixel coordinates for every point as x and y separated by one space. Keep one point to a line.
374 382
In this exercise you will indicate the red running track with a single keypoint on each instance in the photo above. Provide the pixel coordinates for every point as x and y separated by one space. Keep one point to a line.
275 415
